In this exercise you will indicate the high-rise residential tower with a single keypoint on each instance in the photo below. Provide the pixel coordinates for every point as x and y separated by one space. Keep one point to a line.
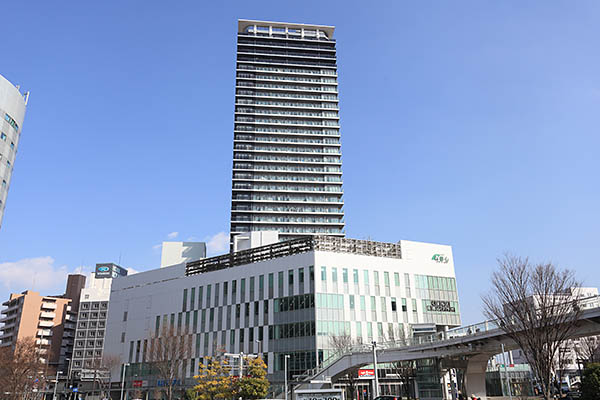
287 174
12 113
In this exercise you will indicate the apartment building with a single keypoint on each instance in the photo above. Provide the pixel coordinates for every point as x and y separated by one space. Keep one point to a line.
287 166
50 320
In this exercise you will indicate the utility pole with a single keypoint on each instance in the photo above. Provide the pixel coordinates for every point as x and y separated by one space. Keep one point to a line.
241 363
506 373
56 384
285 358
123 379
376 380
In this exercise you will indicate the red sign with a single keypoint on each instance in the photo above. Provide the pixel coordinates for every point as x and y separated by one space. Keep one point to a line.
137 383
366 372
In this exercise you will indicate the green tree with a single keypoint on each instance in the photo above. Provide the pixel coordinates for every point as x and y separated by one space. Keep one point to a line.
214 381
590 384
255 384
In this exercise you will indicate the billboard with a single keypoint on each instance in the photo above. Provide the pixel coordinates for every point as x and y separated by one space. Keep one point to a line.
109 270
366 373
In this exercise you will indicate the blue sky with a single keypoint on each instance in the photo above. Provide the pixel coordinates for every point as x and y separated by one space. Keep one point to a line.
469 123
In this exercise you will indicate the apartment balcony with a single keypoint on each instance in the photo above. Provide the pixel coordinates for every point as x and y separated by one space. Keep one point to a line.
70 317
68 325
46 324
244 199
286 54
10 306
7 319
283 43
42 342
46 314
5 336
286 181
48 306
44 332
276 105
260 112
288 212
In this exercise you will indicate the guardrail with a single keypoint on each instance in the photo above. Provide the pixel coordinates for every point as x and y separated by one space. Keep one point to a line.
587 303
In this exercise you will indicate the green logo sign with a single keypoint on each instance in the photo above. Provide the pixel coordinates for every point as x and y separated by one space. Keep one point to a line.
440 258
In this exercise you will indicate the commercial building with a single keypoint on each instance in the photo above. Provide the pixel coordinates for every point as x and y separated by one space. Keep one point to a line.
288 297
287 167
181 252
48 319
86 361
12 114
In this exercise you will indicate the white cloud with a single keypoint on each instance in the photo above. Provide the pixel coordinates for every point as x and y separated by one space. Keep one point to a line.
218 243
173 235
38 274
157 247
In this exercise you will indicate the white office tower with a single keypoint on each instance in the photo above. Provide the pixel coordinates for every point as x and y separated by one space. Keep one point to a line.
287 174
12 114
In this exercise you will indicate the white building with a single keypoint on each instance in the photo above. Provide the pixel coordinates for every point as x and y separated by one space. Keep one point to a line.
181 252
12 114
285 298
88 344
572 353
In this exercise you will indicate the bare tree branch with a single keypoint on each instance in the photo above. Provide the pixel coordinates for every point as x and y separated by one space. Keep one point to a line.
166 354
537 307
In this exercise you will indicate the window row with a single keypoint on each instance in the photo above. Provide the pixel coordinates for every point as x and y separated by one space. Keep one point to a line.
295 178
286 167
94 306
11 122
88 343
286 139
91 324
92 315
279 103
300 159
287 197
287 70
286 95
291 78
230 292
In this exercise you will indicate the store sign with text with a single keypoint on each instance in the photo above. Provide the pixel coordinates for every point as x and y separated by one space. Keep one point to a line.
366 373
440 306
440 258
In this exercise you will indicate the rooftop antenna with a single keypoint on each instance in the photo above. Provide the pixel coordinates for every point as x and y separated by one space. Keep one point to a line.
119 263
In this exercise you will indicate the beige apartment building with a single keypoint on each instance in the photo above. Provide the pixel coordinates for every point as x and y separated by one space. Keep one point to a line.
49 319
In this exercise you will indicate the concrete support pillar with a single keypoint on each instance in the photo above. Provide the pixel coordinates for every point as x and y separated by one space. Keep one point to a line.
475 375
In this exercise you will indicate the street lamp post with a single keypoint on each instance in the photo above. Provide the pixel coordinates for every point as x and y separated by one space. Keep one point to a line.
285 386
376 380
259 347
56 385
123 379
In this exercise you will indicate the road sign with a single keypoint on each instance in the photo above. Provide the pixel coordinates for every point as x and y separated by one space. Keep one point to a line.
319 394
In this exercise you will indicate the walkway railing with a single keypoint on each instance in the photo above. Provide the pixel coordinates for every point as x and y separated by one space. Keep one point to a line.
588 303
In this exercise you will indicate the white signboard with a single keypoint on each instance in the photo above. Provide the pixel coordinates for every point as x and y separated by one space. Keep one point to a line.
319 394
